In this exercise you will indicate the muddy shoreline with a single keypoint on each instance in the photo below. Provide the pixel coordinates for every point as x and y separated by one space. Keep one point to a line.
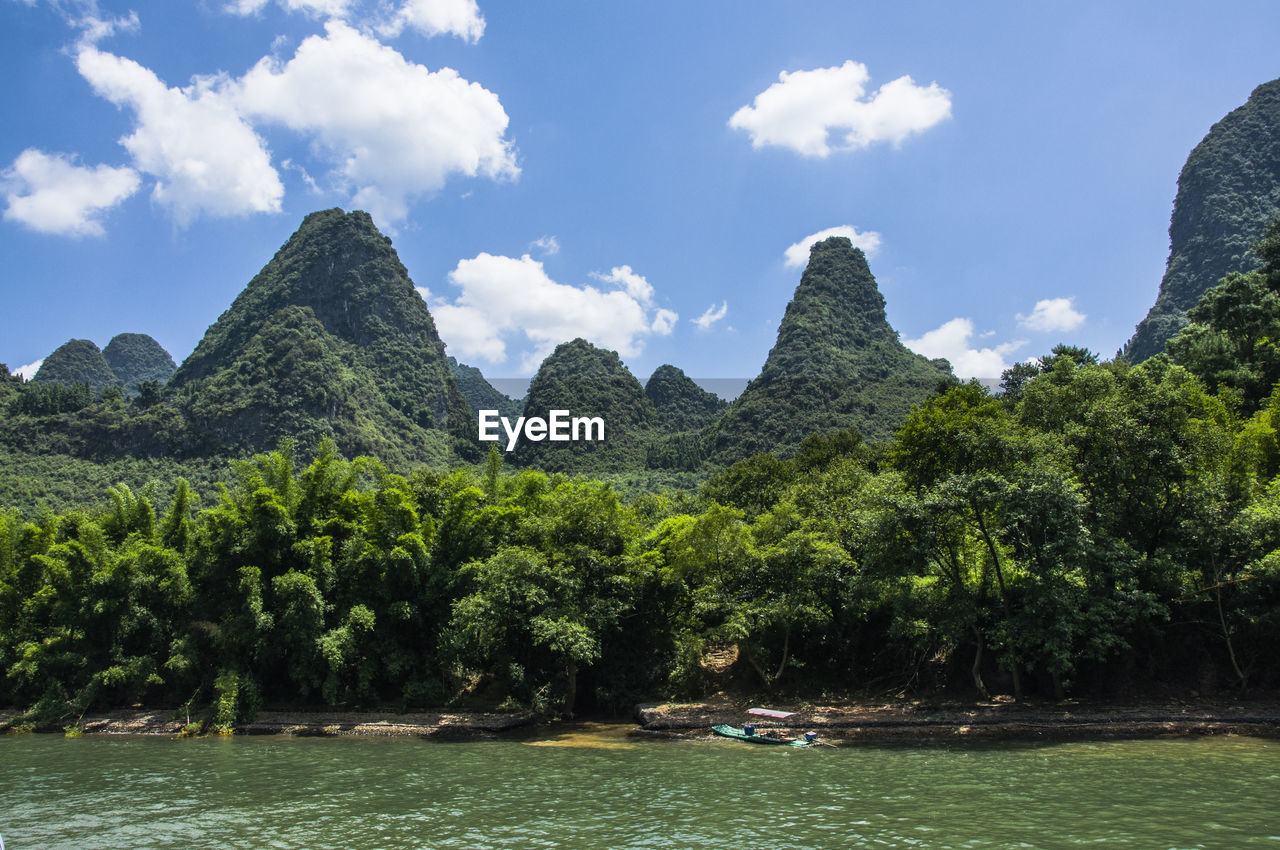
839 722
997 720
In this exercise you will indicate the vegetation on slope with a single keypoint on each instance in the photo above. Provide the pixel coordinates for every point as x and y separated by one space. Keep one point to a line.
77 361
340 269
590 382
480 394
678 403
136 359
1228 190
837 364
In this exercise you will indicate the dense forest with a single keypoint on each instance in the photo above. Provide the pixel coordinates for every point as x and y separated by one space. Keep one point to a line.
857 522
1095 528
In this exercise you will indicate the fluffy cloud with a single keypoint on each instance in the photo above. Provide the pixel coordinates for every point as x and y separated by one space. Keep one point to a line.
952 341
461 18
205 157
319 8
394 129
635 285
439 17
29 371
711 316
798 254
505 300
1052 314
51 194
547 246
804 108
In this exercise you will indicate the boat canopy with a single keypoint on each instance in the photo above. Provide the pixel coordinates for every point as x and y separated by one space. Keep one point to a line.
771 712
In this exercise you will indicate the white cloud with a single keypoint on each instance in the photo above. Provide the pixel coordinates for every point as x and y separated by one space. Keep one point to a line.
1053 314
509 301
635 285
206 159
318 8
664 322
394 129
952 341
29 371
798 254
548 246
711 316
804 108
51 194
438 17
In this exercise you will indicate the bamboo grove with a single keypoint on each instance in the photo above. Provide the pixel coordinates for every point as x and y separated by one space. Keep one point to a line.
1099 527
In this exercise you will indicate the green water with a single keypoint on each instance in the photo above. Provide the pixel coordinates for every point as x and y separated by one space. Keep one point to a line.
591 787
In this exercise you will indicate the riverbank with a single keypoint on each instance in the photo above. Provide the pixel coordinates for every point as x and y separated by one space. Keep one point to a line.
433 725
902 721
997 720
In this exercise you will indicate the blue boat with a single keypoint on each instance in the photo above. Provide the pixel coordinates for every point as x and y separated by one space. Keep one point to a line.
750 735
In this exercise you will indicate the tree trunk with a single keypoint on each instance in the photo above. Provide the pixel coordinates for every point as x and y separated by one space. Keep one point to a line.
786 645
1231 650
571 690
977 666
1004 599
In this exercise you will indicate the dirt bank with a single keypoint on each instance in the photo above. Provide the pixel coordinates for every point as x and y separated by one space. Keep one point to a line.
909 721
439 725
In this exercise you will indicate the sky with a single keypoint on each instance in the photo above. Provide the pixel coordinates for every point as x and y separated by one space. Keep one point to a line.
647 176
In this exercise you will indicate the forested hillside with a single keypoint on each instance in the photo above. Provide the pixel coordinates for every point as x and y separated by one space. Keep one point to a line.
136 359
1228 190
837 364
330 338
77 361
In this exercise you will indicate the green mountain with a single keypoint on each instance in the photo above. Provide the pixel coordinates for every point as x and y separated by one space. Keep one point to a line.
1227 192
329 339
479 393
588 382
136 359
837 364
678 403
77 361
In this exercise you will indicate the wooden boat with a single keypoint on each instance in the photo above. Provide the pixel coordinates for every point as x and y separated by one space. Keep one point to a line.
740 734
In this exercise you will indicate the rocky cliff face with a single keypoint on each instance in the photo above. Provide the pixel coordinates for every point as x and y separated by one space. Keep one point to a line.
1228 190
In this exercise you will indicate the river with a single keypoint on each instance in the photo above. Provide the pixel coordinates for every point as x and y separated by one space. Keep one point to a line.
591 786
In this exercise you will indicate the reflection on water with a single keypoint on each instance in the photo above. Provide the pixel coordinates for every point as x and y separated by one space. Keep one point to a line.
591 786
593 736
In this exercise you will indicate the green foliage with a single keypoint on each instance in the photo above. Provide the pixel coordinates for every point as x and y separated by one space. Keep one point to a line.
678 403
1228 191
1233 340
837 364
136 359
589 381
330 340
480 394
77 361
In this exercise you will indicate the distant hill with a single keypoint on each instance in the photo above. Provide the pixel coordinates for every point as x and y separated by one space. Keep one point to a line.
678 403
837 364
479 393
1228 190
137 358
589 381
77 361
329 339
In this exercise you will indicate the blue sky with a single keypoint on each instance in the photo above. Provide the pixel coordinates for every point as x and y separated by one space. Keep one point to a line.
644 175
